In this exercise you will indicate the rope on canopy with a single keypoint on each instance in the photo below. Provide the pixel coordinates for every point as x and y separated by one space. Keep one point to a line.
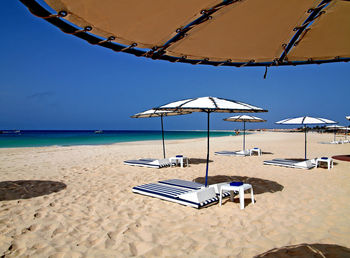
302 30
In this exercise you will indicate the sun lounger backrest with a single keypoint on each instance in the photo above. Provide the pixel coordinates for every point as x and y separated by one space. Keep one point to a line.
309 163
217 187
200 196
164 162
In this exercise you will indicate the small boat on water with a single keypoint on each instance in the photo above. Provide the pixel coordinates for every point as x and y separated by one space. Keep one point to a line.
10 132
98 131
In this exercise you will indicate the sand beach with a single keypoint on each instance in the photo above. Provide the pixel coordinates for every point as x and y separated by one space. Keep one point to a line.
77 201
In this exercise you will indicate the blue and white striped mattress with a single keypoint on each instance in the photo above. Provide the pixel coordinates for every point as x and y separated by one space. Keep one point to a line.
172 189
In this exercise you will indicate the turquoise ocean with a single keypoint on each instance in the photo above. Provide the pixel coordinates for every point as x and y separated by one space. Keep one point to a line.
39 138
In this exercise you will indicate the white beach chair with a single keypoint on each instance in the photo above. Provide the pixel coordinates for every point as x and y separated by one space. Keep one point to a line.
291 163
183 192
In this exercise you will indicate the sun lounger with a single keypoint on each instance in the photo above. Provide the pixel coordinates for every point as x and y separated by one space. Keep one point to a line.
183 192
233 153
336 142
303 164
151 163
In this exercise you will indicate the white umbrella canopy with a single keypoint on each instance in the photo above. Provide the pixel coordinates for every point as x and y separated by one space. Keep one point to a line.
161 114
157 113
210 105
209 32
305 120
244 119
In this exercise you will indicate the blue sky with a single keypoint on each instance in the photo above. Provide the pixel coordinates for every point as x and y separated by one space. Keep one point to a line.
51 80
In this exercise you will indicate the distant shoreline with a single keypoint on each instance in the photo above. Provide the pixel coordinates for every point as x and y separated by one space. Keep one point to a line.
43 138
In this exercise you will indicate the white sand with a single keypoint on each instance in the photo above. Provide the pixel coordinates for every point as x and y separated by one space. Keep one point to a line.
97 215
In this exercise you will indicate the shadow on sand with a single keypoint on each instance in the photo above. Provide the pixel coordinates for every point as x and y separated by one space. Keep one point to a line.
195 161
307 250
342 157
266 153
296 159
260 185
26 189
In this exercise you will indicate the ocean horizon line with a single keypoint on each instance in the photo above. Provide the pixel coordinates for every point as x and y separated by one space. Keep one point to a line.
112 130
41 138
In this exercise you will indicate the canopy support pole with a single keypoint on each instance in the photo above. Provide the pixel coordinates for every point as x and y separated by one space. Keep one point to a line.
206 173
305 141
243 135
161 119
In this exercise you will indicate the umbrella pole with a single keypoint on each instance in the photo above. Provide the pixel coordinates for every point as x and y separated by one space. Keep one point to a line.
206 172
305 140
243 135
161 119
334 134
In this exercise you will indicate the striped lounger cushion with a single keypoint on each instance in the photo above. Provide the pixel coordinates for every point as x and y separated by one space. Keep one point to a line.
189 185
232 153
183 183
172 193
307 164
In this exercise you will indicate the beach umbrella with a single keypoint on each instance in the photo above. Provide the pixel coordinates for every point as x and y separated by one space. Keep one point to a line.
209 32
210 105
305 120
244 119
346 129
161 114
347 117
335 128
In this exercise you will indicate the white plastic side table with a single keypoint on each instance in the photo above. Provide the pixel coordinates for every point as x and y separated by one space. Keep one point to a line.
240 190
179 160
329 162
256 150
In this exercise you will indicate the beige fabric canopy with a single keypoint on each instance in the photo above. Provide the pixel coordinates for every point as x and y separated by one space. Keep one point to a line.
247 32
